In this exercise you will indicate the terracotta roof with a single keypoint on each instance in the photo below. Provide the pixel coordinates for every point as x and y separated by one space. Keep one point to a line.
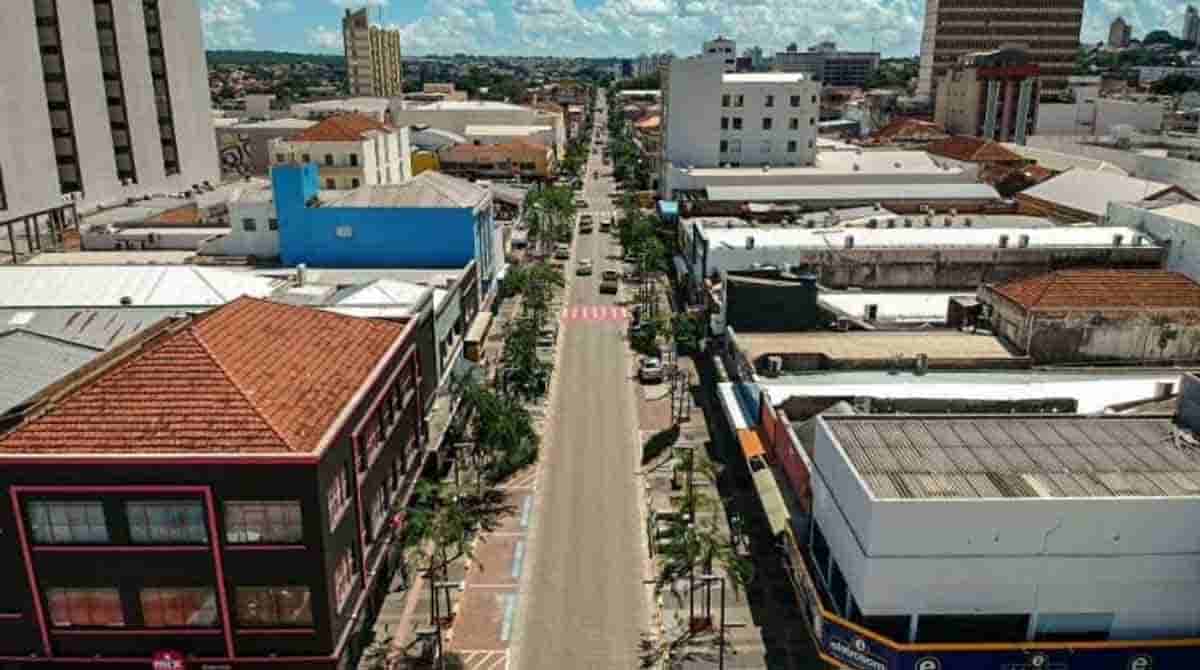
909 129
180 216
515 150
352 127
650 122
972 149
251 377
1103 289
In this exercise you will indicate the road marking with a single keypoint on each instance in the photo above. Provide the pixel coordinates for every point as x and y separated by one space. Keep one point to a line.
510 610
594 313
527 509
518 558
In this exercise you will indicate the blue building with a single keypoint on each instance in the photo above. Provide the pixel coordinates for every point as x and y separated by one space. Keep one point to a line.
430 221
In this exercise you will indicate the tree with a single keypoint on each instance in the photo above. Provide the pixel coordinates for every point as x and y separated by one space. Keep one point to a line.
686 331
525 375
1175 84
505 438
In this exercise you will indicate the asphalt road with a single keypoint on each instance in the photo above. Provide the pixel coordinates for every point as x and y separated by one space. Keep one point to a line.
583 604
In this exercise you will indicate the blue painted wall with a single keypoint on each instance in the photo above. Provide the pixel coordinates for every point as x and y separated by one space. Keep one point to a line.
377 237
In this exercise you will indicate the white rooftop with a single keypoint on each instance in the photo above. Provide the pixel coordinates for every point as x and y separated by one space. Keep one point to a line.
344 103
899 238
1091 190
511 130
866 163
106 286
763 78
893 306
466 105
922 192
1188 212
278 124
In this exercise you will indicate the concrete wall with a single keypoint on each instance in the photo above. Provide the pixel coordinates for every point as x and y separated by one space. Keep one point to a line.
27 158
262 242
1134 336
248 150
1184 237
1182 173
382 158
692 112
1135 558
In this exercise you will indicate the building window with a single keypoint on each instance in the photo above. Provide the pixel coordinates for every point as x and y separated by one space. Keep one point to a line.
724 123
274 606
249 225
770 101
793 124
344 576
3 194
724 146
305 158
737 123
354 182
812 120
280 158
795 101
339 495
791 146
175 606
330 183
271 522
272 224
61 522
85 607
725 100
379 510
810 144
739 101
766 123
353 160
735 146
329 159
166 522
344 232
814 100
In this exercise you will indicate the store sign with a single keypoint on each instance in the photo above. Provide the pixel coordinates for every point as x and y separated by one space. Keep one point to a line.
856 652
167 660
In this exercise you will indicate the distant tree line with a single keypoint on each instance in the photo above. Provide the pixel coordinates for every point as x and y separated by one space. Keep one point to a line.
252 57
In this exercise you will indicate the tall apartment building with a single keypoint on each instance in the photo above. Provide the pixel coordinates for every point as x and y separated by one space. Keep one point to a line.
724 48
827 65
373 63
103 100
1118 33
1191 26
1047 29
993 95
713 118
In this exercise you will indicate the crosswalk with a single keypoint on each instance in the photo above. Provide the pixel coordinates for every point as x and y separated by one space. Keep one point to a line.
594 313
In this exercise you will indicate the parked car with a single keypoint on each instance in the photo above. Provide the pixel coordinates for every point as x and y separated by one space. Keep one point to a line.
580 203
547 336
562 252
610 281
605 225
650 370
584 267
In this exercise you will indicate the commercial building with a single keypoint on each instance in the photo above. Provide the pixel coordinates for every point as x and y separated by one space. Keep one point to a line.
993 95
245 147
181 287
352 150
376 108
1073 316
1118 33
253 229
545 135
1191 27
512 160
1084 195
826 64
456 117
724 50
227 490
104 101
373 63
1049 31
1174 224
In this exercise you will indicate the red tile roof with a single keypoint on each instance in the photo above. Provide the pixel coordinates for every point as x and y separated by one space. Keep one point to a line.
518 150
352 127
972 149
909 129
252 377
188 215
1103 289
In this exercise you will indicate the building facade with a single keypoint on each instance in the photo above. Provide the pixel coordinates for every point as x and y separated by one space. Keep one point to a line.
511 160
352 150
1118 33
1049 31
373 63
1191 26
268 542
824 63
456 117
106 100
723 48
993 95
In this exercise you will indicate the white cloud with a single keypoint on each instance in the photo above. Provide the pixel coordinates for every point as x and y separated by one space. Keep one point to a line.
651 7
324 38
282 6
225 22
355 4
453 26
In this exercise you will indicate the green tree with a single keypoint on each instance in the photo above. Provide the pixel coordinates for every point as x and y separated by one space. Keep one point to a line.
696 543
1175 84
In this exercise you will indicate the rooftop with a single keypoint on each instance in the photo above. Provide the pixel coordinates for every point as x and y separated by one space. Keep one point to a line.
921 192
877 345
1137 290
507 130
926 238
277 124
908 129
1062 153
137 285
1090 191
351 127
99 327
32 361
866 163
1183 211
372 104
763 78
251 377
465 106
893 306
916 457
428 189
972 149
640 93
114 257
516 150
382 298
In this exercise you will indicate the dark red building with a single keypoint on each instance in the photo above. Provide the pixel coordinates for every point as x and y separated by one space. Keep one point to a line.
221 493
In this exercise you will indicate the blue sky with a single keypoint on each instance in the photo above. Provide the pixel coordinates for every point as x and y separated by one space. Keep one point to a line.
615 27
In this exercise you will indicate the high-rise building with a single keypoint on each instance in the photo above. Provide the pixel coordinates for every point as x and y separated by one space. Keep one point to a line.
373 63
1191 26
1047 29
827 65
724 48
1118 34
992 94
103 100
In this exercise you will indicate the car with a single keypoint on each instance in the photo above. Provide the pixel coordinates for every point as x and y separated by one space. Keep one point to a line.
610 281
547 336
650 370
605 225
580 203
584 267
562 252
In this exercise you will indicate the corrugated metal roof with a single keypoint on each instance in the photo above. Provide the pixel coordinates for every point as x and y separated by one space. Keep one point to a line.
101 328
835 238
145 286
1091 190
428 189
1019 456
854 192
31 362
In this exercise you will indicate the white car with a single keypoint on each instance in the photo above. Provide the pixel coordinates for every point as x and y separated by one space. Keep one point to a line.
583 267
650 370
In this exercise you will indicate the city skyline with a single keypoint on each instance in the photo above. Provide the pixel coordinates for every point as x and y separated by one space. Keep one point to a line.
608 28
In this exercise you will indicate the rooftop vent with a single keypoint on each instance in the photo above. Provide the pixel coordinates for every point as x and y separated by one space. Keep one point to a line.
1023 241
749 241
1117 239
126 300
1003 242
849 241
872 222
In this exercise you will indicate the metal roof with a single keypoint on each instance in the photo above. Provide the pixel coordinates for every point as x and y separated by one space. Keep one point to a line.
106 286
854 192
921 457
909 238
99 328
428 189
1091 190
513 130
31 362
382 298
763 78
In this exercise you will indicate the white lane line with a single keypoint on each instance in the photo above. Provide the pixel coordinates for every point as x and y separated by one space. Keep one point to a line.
526 510
518 558
510 610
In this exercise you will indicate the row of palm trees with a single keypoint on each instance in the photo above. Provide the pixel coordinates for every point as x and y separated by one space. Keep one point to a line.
549 216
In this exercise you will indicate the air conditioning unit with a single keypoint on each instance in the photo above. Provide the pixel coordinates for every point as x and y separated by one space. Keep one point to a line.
872 223
1003 242
849 241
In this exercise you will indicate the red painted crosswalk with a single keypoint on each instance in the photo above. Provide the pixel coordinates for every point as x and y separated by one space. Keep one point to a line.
594 313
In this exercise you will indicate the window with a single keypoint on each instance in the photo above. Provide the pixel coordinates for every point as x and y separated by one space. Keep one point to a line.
812 120
735 146
739 101
770 101
724 123
344 232
329 159
249 225
330 183
353 160
795 101
793 123
306 158
175 606
725 100
166 522
61 522
274 606
263 522
724 146
379 510
766 123
280 158
272 224
339 495
737 123
814 100
791 146
354 182
810 144
344 576
3 194
85 607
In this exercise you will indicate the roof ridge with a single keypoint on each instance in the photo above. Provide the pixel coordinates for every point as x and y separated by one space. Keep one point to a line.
191 330
48 336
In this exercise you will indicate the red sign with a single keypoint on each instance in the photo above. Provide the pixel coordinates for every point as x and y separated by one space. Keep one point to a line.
167 660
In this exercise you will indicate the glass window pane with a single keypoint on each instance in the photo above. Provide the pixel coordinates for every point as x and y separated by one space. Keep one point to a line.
67 522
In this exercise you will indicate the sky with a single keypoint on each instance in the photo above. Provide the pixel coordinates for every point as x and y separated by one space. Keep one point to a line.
623 28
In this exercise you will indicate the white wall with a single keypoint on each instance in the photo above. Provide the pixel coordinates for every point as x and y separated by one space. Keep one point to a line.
692 112
1184 253
1182 173
769 147
383 158
456 119
262 242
